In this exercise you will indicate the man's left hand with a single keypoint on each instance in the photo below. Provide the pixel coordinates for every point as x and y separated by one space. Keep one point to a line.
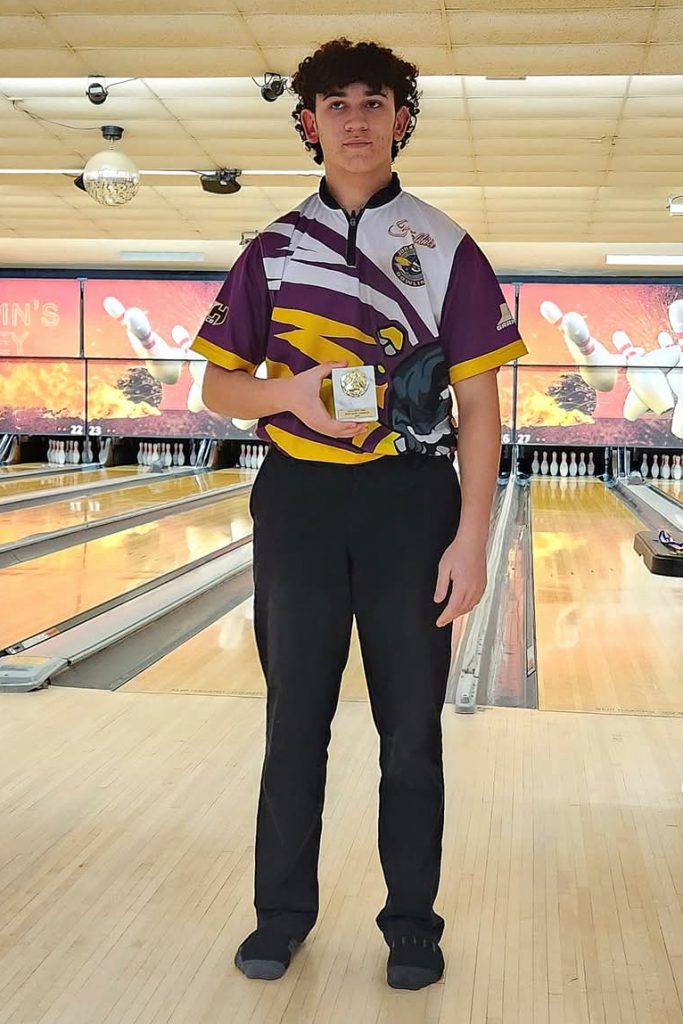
464 564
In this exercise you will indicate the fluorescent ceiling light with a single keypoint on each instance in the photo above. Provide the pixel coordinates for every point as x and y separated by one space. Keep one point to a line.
152 256
646 260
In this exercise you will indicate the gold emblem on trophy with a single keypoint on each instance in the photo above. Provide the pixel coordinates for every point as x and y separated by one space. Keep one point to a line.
354 383
354 394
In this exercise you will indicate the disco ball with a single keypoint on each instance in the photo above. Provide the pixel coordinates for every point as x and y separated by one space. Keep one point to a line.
111 178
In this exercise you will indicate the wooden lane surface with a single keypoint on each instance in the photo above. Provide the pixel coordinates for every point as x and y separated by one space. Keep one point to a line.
223 659
22 467
44 591
127 868
69 478
607 630
672 487
153 490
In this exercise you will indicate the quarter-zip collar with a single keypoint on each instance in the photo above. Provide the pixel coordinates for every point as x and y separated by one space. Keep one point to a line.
380 198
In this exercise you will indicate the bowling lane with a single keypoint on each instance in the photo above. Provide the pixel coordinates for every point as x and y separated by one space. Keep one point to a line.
69 478
58 515
223 659
607 630
48 590
22 467
674 488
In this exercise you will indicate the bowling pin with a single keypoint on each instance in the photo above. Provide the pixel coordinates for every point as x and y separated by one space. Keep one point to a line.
194 398
193 456
597 364
676 321
573 468
554 468
145 342
666 469
634 408
591 465
643 466
535 465
677 472
564 468
675 379
594 361
181 454
655 468
544 464
648 383
582 464
168 458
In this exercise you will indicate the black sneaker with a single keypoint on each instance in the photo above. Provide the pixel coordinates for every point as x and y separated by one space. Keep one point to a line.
265 954
414 962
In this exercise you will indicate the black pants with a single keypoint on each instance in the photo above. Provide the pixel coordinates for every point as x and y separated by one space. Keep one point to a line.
330 542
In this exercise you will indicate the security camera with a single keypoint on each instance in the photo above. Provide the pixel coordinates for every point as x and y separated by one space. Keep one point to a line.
96 93
273 86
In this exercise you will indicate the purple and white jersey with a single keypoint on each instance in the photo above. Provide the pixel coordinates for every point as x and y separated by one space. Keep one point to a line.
399 286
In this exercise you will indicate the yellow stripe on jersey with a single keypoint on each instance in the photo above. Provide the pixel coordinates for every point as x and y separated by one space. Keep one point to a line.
315 451
489 361
218 355
277 370
312 334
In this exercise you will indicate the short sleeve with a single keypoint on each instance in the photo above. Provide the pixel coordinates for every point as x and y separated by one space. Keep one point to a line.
235 332
477 332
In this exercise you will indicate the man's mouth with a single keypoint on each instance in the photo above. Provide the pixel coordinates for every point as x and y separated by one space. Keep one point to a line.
357 143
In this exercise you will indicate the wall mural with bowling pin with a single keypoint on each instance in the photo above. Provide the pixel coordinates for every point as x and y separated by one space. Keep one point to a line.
605 364
42 396
160 393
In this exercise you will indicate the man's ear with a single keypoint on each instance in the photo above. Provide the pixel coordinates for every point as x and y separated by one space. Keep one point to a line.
401 122
309 125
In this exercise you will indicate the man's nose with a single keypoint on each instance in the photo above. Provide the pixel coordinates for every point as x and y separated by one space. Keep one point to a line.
356 121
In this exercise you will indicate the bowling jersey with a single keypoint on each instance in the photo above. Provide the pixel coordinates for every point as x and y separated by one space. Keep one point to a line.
398 286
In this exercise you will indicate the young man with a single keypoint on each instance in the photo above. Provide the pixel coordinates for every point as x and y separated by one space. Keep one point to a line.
361 519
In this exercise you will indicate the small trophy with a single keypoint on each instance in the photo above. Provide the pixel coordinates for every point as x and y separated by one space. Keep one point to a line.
353 393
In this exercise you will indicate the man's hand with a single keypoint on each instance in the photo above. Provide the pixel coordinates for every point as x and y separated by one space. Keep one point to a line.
464 563
303 396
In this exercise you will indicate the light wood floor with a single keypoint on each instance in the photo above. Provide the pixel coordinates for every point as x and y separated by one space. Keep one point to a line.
126 868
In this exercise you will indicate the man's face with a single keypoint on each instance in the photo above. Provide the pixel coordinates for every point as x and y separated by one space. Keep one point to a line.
356 127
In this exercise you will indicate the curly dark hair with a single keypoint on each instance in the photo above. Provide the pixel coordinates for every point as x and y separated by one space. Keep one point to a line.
340 63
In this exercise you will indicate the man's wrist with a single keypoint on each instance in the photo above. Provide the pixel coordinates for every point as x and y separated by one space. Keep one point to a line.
473 533
282 393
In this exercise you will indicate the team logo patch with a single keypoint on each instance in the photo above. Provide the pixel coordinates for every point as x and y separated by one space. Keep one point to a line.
506 317
406 265
218 314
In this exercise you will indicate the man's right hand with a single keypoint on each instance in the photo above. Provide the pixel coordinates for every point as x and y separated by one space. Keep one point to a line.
303 394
